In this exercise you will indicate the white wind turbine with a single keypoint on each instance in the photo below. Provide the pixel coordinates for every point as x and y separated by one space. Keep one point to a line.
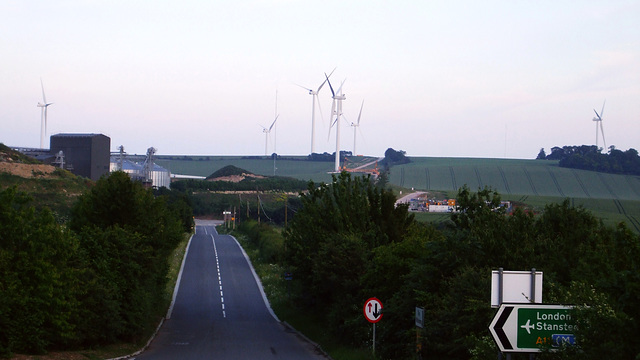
598 119
337 111
266 134
355 126
43 116
314 94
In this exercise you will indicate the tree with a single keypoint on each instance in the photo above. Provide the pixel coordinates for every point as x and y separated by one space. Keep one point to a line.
333 235
541 155
36 277
125 236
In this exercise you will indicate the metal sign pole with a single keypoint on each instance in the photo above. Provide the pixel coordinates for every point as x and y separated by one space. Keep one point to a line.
374 338
500 292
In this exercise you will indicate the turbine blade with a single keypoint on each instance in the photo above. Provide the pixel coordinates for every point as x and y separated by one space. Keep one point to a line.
328 76
303 87
333 94
273 123
603 140
360 114
340 88
598 115
602 111
43 97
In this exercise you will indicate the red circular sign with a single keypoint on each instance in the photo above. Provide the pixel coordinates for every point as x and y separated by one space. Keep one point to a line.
372 310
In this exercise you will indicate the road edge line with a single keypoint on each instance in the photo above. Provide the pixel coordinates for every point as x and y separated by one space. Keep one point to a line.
255 275
177 287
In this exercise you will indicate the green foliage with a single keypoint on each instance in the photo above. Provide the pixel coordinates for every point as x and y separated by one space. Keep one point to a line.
270 243
98 280
393 157
541 155
331 240
278 183
36 256
179 204
588 157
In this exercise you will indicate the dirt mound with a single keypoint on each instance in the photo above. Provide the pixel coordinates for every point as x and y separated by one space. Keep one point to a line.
27 170
236 178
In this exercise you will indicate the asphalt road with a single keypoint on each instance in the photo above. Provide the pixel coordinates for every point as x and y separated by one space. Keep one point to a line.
219 311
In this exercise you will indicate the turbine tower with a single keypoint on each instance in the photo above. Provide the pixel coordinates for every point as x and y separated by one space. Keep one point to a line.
266 134
598 119
43 116
338 97
314 94
355 126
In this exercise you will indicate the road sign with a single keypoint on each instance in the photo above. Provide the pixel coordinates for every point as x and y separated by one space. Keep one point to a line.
528 328
373 310
420 317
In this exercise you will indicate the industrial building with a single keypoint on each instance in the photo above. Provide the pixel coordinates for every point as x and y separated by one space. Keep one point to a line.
84 154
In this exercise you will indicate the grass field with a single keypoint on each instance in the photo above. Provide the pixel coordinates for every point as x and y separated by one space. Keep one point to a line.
613 198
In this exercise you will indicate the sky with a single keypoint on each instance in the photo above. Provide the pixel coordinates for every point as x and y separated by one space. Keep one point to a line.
490 79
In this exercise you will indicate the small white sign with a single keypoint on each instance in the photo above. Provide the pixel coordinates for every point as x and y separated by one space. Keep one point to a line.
516 287
420 317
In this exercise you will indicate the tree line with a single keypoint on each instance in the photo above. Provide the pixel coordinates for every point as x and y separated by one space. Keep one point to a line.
349 242
589 157
97 279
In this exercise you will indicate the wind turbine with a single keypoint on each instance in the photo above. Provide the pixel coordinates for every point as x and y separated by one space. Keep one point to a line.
355 126
314 94
43 116
266 134
598 119
337 111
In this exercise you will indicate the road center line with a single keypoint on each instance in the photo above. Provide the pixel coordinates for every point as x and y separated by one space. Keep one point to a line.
215 250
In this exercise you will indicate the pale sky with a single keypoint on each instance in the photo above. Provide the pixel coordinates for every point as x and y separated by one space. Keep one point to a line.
438 78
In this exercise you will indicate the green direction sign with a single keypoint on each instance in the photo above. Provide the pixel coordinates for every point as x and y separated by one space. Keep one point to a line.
528 327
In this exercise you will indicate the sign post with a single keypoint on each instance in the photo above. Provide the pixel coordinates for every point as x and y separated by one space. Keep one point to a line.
373 313
419 325
526 328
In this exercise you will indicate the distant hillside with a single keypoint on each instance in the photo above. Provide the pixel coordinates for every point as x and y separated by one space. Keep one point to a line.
49 186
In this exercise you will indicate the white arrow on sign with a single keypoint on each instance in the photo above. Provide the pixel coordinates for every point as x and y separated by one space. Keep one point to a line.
529 327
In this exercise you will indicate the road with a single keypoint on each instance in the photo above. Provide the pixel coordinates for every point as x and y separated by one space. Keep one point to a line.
220 312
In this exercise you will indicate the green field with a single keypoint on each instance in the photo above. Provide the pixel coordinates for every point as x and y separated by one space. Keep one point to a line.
614 198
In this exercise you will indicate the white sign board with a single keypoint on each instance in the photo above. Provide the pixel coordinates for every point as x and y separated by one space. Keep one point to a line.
420 317
516 287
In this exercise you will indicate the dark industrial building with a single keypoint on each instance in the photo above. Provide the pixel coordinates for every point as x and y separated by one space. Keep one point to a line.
84 154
